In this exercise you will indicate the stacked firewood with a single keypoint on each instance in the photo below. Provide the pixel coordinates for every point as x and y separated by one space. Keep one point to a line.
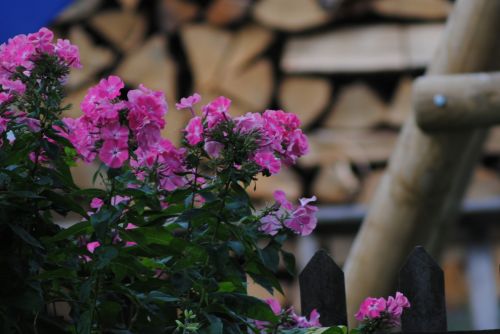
344 66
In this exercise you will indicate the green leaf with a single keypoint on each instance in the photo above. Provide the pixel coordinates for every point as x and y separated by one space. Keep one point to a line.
77 229
25 236
226 287
157 296
216 326
85 290
270 257
105 256
84 323
56 273
102 219
250 307
64 202
289 260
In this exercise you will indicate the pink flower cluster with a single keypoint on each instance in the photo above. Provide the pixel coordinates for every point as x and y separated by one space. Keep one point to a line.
281 141
288 318
389 310
120 131
23 50
300 219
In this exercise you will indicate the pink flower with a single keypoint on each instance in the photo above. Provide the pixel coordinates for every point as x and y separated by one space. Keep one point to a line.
115 200
303 322
146 106
395 305
96 203
91 246
68 53
280 198
270 225
18 51
297 146
3 124
80 133
188 102
213 148
303 219
149 136
275 305
114 153
371 308
38 158
97 104
12 86
42 40
115 131
249 122
268 161
217 111
194 131
5 97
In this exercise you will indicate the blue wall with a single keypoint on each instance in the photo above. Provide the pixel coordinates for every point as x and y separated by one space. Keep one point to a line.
25 16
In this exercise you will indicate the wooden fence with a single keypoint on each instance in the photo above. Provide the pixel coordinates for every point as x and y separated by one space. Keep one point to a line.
420 279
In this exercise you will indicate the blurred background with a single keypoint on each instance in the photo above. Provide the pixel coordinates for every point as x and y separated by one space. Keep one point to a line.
345 67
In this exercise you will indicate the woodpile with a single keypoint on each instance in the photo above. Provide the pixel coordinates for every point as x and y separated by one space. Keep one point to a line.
345 67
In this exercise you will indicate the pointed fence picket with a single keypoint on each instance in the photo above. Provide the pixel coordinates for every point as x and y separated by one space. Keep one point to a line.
322 287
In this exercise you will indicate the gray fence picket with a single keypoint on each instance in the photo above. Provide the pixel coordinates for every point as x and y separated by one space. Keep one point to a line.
422 281
322 287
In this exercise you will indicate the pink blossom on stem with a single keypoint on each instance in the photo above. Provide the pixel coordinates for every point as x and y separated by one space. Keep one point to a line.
217 111
115 131
303 219
249 122
68 53
42 40
280 198
275 305
188 102
371 308
395 305
146 106
270 225
303 322
81 133
194 131
91 246
267 161
5 97
96 203
3 124
297 146
114 153
149 136
115 200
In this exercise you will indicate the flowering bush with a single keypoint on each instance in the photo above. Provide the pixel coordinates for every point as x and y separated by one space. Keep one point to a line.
379 314
170 240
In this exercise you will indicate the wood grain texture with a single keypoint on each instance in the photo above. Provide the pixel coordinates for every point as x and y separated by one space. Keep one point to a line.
420 193
369 48
459 101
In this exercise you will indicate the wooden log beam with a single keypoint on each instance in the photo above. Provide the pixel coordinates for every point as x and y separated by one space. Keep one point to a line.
427 174
459 101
